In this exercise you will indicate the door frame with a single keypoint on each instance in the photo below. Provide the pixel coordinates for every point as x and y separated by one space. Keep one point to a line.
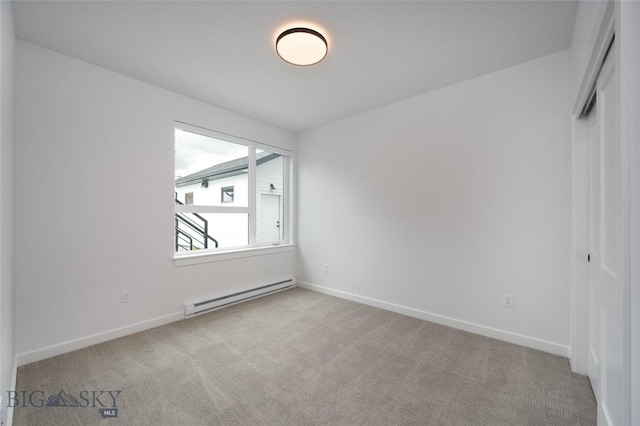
623 20
628 17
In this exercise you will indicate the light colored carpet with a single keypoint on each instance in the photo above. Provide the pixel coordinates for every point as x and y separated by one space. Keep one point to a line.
304 358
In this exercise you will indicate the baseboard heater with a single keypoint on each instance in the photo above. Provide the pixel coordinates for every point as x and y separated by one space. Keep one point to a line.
193 309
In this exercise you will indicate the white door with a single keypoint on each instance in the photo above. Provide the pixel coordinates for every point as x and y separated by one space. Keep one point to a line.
269 218
605 269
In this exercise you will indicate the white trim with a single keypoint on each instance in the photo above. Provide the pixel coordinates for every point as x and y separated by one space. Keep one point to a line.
518 339
250 210
83 342
579 246
216 256
272 149
627 21
285 217
226 137
290 202
253 215
630 23
606 28
12 387
190 208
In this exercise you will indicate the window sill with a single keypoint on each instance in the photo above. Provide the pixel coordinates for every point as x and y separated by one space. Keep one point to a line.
194 259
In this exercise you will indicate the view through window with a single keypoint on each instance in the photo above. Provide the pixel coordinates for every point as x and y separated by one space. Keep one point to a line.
234 192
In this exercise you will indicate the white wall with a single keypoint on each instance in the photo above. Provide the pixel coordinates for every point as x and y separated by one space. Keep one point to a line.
83 134
443 202
7 41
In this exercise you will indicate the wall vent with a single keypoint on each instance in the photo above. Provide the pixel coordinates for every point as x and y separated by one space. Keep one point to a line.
198 308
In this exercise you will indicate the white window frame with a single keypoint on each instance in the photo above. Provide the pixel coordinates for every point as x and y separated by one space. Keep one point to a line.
252 248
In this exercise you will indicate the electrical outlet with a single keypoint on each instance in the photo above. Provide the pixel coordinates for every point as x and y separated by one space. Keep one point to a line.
326 267
507 300
125 296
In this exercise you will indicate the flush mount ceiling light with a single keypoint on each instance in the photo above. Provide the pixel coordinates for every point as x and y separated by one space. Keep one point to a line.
301 46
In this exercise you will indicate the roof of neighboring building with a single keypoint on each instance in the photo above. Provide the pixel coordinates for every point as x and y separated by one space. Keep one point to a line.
223 170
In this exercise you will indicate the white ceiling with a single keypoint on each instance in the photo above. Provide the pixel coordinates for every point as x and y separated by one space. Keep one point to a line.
223 53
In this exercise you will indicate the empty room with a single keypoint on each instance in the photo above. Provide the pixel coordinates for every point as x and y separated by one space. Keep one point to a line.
320 212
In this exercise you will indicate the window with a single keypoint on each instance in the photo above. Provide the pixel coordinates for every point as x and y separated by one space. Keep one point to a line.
226 195
235 192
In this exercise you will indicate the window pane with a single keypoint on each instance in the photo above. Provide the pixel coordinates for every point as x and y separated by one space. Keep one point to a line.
198 231
204 165
269 196
227 194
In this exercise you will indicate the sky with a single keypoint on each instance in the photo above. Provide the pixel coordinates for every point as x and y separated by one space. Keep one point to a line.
195 152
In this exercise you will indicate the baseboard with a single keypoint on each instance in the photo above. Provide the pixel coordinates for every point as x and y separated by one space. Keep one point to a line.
518 339
83 342
575 368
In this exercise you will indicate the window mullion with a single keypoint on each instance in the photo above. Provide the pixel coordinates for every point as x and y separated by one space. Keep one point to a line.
286 230
252 196
211 209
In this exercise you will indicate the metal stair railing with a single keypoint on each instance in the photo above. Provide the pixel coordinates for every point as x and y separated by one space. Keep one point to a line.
191 230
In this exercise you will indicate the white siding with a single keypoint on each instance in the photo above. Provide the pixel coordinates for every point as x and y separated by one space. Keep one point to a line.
210 196
267 174
230 230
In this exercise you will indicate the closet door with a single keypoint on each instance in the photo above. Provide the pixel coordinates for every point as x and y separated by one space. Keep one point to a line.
605 270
